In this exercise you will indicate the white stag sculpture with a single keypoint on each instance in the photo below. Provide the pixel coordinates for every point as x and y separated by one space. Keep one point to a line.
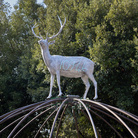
67 66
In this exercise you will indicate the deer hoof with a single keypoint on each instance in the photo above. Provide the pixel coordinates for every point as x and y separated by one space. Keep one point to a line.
95 97
49 96
60 95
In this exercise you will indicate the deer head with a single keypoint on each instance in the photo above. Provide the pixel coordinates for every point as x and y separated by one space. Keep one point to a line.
45 42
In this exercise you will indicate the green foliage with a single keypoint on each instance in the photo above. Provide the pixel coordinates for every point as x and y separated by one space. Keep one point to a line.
68 128
114 49
85 127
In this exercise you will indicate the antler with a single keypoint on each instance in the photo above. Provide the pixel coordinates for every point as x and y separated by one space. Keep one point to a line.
40 37
59 29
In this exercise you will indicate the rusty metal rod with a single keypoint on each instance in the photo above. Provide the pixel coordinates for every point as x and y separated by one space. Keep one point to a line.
106 123
115 118
123 116
76 124
23 111
11 123
61 120
92 122
45 122
52 128
8 115
20 118
101 107
32 120
122 111
86 115
21 108
113 114
95 108
46 102
105 113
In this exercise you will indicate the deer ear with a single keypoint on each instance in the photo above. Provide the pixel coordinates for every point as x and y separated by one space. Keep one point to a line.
52 42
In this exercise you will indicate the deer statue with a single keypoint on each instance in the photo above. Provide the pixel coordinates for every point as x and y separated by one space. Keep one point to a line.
67 66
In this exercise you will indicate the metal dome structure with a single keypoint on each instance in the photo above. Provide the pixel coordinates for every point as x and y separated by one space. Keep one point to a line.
56 108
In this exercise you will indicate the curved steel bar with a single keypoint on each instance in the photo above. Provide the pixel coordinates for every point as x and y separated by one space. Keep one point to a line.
96 107
32 111
22 111
21 108
18 113
123 116
52 128
46 121
94 128
61 120
128 119
11 123
124 112
105 113
86 115
19 118
101 107
107 123
132 121
32 120
92 107
8 115
76 124
113 114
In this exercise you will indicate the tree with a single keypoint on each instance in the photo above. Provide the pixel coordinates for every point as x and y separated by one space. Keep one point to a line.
114 49
8 61
15 47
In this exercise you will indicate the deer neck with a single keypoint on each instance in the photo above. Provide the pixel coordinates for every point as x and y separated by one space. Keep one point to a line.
46 56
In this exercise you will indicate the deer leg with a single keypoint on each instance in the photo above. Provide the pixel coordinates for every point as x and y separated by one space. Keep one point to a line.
51 85
58 81
87 84
95 84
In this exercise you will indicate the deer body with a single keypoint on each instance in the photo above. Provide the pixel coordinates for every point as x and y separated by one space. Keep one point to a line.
67 66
